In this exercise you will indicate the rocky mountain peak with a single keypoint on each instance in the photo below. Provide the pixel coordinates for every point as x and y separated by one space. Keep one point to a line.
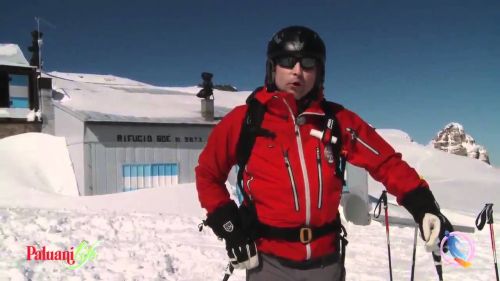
453 139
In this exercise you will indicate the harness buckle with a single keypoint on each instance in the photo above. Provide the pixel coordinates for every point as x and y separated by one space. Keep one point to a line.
306 235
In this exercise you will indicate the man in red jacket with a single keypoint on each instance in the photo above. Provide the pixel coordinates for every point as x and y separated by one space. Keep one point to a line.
291 178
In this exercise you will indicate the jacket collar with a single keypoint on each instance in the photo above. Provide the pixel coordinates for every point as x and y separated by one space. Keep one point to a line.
278 103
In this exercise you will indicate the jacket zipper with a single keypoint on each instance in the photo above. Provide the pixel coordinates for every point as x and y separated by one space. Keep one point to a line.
304 174
354 136
320 177
292 180
248 185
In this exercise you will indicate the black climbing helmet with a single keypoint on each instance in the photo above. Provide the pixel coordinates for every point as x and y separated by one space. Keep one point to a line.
299 41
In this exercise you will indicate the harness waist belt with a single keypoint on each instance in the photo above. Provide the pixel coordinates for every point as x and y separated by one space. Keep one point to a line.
303 234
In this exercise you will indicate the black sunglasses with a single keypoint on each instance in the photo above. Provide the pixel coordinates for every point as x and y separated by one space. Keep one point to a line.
290 61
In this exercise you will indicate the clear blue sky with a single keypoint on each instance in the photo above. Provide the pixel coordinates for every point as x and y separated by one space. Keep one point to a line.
409 65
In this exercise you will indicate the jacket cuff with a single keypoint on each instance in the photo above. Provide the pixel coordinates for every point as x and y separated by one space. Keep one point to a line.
420 201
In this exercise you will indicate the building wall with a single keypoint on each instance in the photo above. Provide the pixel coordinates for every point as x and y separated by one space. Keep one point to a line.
15 127
68 126
47 111
110 146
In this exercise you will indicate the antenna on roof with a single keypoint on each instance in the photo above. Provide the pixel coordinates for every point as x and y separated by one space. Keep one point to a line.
39 37
36 59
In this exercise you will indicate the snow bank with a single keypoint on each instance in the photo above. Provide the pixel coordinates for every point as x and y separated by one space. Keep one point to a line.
36 161
36 172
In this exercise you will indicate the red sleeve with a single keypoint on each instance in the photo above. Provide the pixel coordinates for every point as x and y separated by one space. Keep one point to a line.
366 148
217 159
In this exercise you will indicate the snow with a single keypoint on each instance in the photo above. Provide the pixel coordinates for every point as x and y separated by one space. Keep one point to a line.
456 125
95 78
135 101
37 161
458 183
10 54
8 49
152 234
17 113
33 115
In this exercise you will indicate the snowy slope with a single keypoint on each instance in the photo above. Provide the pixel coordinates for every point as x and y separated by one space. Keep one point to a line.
458 183
153 234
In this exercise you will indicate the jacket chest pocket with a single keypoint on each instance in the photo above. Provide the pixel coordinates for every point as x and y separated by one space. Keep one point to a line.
265 158
293 182
320 176
272 175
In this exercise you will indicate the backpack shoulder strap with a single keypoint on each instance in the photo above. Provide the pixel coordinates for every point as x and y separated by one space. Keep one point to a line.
250 130
331 109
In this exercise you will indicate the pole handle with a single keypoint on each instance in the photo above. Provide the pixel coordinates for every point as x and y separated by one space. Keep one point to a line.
437 262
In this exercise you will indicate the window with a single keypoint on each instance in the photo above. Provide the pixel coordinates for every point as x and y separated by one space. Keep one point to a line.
14 90
19 92
139 176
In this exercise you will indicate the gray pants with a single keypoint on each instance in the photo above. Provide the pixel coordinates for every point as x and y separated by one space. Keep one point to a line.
271 269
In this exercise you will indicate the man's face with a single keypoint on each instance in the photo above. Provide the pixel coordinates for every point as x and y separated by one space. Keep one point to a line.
297 79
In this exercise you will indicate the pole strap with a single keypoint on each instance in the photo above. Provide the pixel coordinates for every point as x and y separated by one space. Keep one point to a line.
485 216
381 201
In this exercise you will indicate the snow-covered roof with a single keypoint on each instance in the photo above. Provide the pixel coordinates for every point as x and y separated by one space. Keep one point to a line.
10 54
108 98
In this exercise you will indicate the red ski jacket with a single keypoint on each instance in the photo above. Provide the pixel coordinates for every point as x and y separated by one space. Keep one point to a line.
288 177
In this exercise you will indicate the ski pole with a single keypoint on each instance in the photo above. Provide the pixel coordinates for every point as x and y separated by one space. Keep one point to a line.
414 253
383 200
436 255
228 272
493 247
486 216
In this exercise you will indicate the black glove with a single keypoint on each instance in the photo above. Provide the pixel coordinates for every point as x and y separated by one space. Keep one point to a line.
226 224
425 211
